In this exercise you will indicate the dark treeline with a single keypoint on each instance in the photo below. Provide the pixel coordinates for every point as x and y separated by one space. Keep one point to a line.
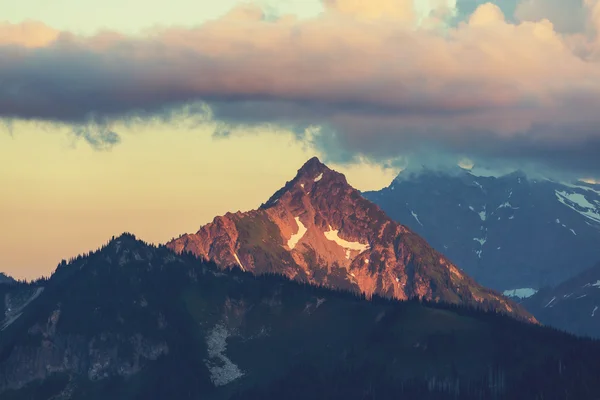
418 349
483 310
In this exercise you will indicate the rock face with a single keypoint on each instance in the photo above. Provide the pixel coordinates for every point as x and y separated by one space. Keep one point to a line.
573 306
503 231
320 230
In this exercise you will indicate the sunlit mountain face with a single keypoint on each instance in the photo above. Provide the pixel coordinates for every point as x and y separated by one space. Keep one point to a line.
318 229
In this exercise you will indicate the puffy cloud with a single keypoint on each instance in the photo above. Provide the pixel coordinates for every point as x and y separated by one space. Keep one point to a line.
379 82
565 15
487 14
29 34
397 10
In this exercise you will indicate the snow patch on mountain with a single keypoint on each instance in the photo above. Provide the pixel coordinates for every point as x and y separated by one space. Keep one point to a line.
416 217
572 200
581 187
334 237
222 369
521 293
576 198
480 240
507 204
550 302
318 178
238 261
293 241
482 215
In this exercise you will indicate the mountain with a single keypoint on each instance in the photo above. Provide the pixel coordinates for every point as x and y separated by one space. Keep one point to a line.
134 321
14 298
509 232
5 279
573 306
320 230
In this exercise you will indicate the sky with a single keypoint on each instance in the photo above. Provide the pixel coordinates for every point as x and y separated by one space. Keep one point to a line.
155 117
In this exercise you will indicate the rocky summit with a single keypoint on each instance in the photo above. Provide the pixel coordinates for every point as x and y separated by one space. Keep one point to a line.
320 230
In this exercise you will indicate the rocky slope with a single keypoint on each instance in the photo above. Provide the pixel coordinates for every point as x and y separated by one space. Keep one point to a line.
509 232
573 306
320 230
133 321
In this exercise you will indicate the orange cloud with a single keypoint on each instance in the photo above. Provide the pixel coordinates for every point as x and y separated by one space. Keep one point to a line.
378 82
28 34
396 10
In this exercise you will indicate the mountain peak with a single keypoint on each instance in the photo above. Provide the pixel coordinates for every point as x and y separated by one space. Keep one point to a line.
314 166
124 238
319 229
124 244
311 175
519 173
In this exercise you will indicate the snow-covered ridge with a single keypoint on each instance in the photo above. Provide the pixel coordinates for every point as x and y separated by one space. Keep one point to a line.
576 199
582 187
293 241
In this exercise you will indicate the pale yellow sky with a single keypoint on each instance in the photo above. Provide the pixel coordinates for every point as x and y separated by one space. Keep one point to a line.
61 198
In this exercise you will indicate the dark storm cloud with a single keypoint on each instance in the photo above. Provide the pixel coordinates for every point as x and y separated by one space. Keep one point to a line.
488 87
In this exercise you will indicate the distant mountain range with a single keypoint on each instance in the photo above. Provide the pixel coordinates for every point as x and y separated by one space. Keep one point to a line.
511 233
134 321
318 229
573 306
